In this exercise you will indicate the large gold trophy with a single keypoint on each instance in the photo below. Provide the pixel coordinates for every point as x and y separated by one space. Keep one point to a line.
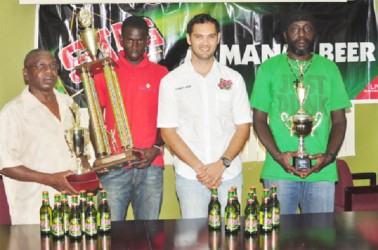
301 124
103 139
77 138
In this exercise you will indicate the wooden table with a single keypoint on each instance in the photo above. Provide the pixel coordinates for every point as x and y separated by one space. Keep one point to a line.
349 230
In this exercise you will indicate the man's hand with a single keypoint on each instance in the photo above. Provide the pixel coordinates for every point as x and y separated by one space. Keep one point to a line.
322 160
60 182
149 156
212 176
284 160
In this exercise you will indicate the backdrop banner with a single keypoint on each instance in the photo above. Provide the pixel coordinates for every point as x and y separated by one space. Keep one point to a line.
251 33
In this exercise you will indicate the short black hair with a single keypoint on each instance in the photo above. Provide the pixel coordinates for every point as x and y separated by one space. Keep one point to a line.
298 15
202 18
136 22
31 53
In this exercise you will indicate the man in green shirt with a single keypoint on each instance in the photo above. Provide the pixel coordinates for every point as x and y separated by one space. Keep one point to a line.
274 93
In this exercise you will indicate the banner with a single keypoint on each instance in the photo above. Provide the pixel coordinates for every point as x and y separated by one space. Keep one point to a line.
251 33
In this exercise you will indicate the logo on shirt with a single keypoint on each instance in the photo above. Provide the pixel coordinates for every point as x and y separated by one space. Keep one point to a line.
184 87
147 87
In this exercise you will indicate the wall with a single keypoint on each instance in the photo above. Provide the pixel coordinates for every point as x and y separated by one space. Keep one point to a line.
17 33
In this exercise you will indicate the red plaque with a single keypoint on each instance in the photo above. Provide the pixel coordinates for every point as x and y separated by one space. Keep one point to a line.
86 181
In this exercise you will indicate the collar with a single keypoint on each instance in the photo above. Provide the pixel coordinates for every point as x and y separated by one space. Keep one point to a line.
32 101
214 68
123 62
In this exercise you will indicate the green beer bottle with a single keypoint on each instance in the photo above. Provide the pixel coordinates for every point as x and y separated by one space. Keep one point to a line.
257 204
275 204
236 204
250 220
45 214
214 211
75 231
230 215
265 213
66 211
83 207
90 217
104 214
57 218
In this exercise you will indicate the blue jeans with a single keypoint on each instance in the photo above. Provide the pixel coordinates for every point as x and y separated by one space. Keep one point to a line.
142 187
194 197
310 197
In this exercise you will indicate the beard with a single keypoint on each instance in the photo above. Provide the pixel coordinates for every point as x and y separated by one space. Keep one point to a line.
292 46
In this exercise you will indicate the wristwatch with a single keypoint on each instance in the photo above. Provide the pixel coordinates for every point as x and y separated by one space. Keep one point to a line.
226 161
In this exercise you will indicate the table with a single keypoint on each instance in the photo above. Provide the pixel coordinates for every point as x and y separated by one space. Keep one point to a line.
347 230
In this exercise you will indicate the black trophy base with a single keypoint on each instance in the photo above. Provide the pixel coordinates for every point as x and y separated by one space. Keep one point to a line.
302 163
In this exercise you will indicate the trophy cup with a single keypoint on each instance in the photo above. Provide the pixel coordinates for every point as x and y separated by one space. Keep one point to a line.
301 124
104 140
77 137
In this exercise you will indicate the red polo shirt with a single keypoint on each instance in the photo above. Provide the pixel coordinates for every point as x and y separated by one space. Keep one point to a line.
139 86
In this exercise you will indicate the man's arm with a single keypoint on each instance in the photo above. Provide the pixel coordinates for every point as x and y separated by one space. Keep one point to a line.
55 180
335 140
151 153
262 129
212 177
180 149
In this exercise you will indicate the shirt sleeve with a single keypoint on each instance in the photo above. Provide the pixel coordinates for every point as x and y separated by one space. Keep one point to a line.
261 98
10 140
241 108
339 95
167 107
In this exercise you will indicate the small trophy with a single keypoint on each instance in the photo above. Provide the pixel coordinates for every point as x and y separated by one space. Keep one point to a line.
301 124
77 137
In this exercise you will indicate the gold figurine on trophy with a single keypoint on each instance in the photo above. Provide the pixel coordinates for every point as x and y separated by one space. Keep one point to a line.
103 139
301 124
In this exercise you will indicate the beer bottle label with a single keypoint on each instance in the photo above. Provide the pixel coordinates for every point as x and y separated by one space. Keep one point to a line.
265 221
251 224
57 227
231 221
214 219
45 223
105 222
276 216
91 226
75 227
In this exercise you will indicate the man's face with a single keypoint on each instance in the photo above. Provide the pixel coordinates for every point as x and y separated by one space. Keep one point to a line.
41 72
300 36
204 40
134 43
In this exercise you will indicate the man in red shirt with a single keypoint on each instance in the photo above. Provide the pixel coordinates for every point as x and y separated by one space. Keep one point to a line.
139 79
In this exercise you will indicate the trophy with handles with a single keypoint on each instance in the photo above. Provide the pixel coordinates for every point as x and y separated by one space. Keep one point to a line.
104 141
301 124
77 138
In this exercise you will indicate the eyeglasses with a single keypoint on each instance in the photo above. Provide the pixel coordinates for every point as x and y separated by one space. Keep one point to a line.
44 67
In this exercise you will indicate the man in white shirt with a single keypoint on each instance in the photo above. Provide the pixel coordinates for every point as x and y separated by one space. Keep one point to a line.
204 116
34 155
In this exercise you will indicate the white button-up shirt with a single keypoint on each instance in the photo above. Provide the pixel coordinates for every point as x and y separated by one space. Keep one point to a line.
204 114
32 136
